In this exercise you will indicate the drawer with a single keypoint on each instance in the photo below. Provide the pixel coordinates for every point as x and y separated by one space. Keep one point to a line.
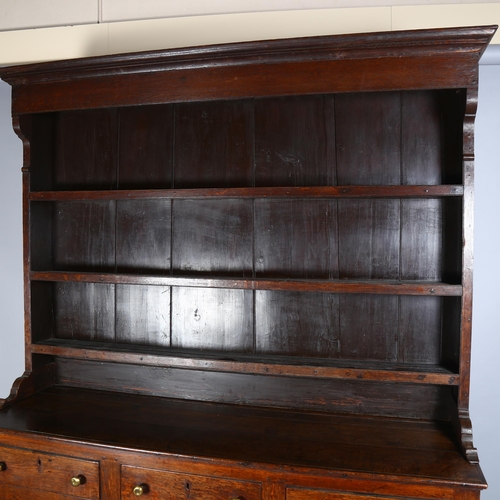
46 472
163 485
304 494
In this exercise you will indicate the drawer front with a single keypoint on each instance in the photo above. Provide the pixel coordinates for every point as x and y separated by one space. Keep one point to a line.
164 485
46 472
12 492
303 494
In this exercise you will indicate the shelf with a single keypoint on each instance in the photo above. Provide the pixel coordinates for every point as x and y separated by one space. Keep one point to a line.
247 363
382 287
430 191
283 440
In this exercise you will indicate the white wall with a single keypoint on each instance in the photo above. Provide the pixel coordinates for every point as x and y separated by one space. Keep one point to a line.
24 14
11 255
485 375
78 30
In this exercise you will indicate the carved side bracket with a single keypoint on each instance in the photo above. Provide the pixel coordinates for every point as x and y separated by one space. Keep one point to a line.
30 383
463 427
18 129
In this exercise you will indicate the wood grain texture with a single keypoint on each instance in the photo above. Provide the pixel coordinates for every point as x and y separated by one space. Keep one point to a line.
420 327
213 144
368 327
467 255
145 147
42 311
422 138
369 239
353 397
143 315
422 238
212 319
256 192
274 79
163 485
83 236
368 138
110 471
49 472
29 383
248 268
295 141
295 239
212 237
86 151
143 236
296 324
384 287
276 438
82 311
41 221
38 132
265 364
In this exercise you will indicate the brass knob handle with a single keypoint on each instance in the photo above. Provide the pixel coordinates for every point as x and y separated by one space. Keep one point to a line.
3 466
140 489
77 480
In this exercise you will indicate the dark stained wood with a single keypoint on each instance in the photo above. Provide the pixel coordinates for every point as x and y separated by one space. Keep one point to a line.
213 144
29 383
325 395
453 104
248 271
84 236
453 220
143 315
81 311
110 470
295 141
389 287
255 192
146 138
467 260
368 327
246 363
273 79
421 138
420 326
212 319
38 132
143 236
86 150
308 494
295 239
271 436
368 138
289 323
450 346
49 473
42 310
369 239
421 240
212 237
20 493
41 217
163 485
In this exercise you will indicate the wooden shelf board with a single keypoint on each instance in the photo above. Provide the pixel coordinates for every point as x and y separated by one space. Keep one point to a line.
384 287
241 363
278 439
430 191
